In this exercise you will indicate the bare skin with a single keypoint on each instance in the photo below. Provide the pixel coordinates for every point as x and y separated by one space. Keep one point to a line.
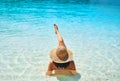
60 39
60 43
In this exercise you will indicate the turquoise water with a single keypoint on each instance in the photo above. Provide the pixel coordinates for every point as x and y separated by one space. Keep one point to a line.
92 32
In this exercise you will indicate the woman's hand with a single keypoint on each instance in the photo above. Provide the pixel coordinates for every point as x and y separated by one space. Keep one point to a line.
74 72
49 73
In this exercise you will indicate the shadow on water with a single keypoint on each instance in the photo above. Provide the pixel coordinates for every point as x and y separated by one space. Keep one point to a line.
69 78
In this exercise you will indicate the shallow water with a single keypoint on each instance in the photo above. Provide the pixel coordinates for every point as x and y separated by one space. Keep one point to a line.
92 32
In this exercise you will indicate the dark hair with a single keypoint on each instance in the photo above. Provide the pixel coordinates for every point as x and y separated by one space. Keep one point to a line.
61 65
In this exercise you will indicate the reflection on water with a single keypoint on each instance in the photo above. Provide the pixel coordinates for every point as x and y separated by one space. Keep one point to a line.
27 36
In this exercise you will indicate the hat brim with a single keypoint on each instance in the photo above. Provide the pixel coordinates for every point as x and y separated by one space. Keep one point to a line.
54 57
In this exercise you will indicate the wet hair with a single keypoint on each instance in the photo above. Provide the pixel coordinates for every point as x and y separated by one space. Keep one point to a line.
61 65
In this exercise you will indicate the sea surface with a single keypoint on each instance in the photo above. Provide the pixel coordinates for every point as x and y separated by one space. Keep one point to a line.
27 35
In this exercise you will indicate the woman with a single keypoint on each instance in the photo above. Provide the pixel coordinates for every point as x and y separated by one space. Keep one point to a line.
62 62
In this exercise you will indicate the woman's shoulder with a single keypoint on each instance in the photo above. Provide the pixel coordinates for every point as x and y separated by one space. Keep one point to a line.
72 65
71 61
51 62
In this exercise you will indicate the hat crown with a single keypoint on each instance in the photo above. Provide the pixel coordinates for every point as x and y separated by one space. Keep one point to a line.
62 53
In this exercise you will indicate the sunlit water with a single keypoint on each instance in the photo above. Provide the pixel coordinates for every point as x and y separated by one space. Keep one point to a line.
92 32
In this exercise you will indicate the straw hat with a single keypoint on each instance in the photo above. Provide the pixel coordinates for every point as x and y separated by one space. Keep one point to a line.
61 55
